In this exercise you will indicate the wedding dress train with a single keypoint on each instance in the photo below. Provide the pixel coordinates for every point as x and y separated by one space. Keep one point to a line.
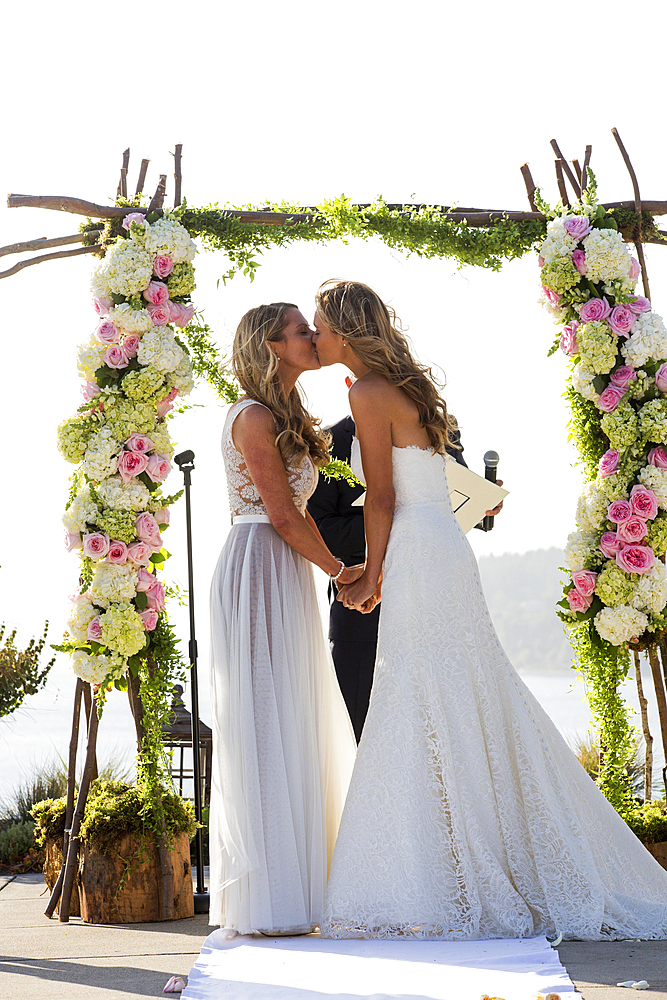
468 816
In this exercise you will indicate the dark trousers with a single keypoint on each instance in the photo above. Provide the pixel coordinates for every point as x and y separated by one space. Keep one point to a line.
354 663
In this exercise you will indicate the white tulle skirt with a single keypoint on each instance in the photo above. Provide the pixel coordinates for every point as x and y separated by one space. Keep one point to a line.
283 746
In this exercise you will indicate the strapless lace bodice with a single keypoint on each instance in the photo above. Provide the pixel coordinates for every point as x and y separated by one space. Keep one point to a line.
419 476
244 497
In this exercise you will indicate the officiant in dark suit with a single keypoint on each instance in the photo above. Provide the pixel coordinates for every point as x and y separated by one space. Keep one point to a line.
353 636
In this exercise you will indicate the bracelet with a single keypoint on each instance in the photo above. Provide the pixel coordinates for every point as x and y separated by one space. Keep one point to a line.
340 571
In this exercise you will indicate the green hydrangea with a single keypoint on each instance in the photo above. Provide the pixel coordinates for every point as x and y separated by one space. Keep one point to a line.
620 425
146 384
597 346
162 441
128 416
657 534
560 274
123 630
620 289
118 524
73 437
653 421
614 586
181 281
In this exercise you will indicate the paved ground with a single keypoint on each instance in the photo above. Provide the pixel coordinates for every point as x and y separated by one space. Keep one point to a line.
45 959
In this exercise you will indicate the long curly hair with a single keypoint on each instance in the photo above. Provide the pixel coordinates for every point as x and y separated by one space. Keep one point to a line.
357 313
255 365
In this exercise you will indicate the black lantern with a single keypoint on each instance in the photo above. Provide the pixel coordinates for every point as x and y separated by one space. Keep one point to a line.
178 737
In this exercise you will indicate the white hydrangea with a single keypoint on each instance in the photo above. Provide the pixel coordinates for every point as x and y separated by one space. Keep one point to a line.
94 669
113 584
160 349
617 625
558 242
127 268
80 618
101 455
181 378
578 547
170 237
80 511
130 320
582 382
99 282
591 507
120 496
648 341
89 358
555 312
655 479
651 591
607 256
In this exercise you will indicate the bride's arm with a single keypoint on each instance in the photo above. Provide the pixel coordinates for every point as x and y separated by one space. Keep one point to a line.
254 435
371 409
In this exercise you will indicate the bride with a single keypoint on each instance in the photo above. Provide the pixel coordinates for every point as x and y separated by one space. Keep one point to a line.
467 815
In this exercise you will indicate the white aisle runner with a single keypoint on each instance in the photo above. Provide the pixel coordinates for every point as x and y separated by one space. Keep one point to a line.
310 968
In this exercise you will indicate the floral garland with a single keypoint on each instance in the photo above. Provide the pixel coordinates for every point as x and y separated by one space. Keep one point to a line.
617 583
134 366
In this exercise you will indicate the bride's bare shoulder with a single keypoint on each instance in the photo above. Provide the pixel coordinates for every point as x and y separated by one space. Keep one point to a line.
372 389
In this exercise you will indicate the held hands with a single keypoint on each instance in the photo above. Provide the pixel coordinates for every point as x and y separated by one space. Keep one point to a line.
361 596
349 575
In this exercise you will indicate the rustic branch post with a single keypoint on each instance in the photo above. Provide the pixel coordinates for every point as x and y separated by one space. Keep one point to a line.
561 184
158 198
577 170
584 169
530 186
638 209
648 738
661 699
88 703
142 177
566 168
178 175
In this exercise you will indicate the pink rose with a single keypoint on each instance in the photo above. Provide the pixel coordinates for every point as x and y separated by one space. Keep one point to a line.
610 544
145 580
594 309
579 261
636 558
163 265
139 553
117 552
130 464
131 345
89 390
661 377
133 217
643 502
179 314
635 269
162 515
156 293
621 320
106 332
102 304
553 298
577 601
619 511
540 260
658 457
609 462
149 618
610 398
584 581
139 443
577 226
163 406
95 545
158 467
632 530
623 376
160 314
95 629
72 540
639 304
568 340
154 591
147 527
115 356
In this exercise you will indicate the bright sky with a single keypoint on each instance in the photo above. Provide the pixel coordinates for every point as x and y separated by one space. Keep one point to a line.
302 102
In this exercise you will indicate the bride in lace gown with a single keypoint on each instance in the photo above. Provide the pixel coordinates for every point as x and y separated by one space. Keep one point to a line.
467 816
283 746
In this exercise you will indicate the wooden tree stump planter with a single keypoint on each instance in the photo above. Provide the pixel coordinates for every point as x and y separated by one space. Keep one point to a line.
659 852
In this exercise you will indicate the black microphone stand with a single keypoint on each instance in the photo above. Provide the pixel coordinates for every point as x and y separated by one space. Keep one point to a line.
186 463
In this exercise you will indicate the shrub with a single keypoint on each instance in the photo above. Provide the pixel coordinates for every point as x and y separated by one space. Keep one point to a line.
16 840
20 670
648 822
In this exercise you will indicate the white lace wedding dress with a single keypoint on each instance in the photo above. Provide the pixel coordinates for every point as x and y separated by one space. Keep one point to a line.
283 746
468 816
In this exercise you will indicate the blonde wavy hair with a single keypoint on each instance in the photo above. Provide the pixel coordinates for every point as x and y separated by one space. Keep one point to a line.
255 365
357 313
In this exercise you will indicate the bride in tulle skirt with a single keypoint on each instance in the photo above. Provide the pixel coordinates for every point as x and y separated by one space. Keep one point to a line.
283 746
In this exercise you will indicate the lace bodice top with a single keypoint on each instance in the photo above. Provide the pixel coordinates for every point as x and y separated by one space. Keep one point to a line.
244 497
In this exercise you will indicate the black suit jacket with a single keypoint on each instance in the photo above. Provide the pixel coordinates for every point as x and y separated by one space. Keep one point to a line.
342 528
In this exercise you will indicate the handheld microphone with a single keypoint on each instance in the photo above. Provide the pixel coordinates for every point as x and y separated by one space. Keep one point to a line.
491 459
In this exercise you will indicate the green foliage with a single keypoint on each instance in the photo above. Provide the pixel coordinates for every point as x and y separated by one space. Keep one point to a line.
627 221
15 842
586 432
21 673
339 469
648 821
206 361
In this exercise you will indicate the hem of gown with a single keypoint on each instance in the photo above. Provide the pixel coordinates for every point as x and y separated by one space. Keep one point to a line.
435 932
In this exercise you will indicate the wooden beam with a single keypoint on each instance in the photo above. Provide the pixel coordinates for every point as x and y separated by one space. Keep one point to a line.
63 203
49 256
42 243
142 177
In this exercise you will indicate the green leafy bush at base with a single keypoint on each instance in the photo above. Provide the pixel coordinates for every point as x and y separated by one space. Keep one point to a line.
16 840
648 822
